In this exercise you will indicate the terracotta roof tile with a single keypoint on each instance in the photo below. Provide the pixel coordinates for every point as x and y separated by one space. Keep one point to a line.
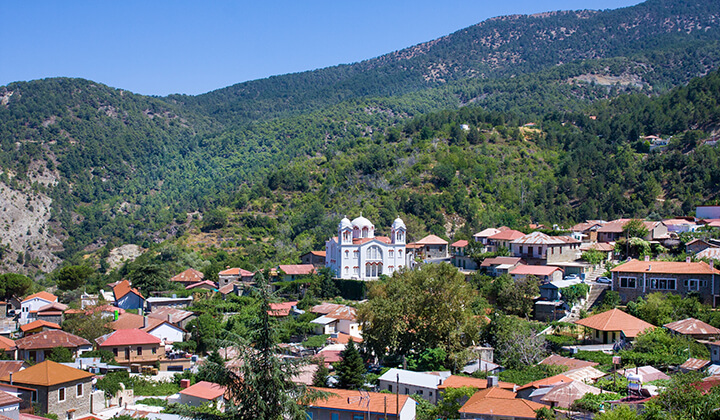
10 366
499 402
507 235
485 233
47 373
236 272
598 246
129 337
487 262
325 308
190 275
552 380
123 287
665 267
432 240
564 395
42 295
8 399
360 241
462 243
281 308
297 269
343 399
616 320
344 312
455 381
51 339
534 270
176 315
204 390
38 324
6 343
201 283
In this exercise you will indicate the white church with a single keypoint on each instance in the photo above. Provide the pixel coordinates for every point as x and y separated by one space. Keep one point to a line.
356 253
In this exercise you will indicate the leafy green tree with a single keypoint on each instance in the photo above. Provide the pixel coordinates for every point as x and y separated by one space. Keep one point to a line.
60 355
516 296
73 276
205 330
452 400
88 327
149 277
14 285
516 341
681 400
593 256
214 219
351 369
419 309
621 412
104 355
635 228
545 413
428 360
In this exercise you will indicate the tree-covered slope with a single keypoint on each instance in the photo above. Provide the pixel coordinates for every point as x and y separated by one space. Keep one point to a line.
675 39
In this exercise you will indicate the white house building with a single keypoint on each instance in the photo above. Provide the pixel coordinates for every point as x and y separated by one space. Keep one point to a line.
31 304
356 253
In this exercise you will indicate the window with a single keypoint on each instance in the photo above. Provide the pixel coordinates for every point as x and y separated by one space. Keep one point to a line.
61 394
79 390
390 388
115 351
358 417
334 416
355 253
154 349
347 269
628 282
407 391
662 284
420 392
347 253
139 351
33 395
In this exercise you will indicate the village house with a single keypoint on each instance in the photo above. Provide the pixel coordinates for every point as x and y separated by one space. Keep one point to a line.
694 328
175 316
709 253
613 326
203 285
316 258
201 393
587 232
564 395
292 272
612 231
541 249
483 238
607 249
52 312
187 277
526 390
56 389
36 347
132 347
503 239
127 297
543 273
157 302
432 248
459 257
283 309
342 404
232 275
31 304
498 266
637 278
356 253
9 406
424 385
8 347
698 245
167 332
498 404
340 319
680 225
38 326
456 381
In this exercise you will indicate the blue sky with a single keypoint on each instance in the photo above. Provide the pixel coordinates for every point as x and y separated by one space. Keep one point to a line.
162 47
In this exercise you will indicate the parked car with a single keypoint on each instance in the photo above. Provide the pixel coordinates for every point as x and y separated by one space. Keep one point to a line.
572 277
603 280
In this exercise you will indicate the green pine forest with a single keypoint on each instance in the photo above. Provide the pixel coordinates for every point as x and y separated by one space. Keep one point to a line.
471 130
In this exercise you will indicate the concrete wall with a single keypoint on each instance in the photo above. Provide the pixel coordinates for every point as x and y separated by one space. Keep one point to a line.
49 401
429 394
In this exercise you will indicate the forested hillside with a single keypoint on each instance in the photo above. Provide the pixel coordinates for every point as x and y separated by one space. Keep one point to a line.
86 167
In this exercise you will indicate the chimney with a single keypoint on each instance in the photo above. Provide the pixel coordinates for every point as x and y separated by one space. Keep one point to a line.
647 258
184 383
688 259
492 381
169 319
145 321
11 381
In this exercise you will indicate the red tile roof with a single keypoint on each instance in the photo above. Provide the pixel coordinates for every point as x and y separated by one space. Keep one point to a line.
694 364
129 337
236 272
47 373
432 240
360 241
534 270
598 246
692 326
325 308
455 381
318 253
204 390
176 315
123 287
10 366
282 308
344 312
462 243
616 320
6 343
50 339
349 400
209 283
297 269
38 324
190 275
8 399
507 235
665 267
499 402
42 295
552 380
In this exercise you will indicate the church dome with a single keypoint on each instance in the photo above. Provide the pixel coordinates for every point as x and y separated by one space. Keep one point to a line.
345 224
361 222
398 224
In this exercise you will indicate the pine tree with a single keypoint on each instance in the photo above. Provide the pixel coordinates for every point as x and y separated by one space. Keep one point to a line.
321 374
351 369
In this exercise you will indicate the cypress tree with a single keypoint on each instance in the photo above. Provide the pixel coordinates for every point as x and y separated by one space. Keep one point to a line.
351 369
